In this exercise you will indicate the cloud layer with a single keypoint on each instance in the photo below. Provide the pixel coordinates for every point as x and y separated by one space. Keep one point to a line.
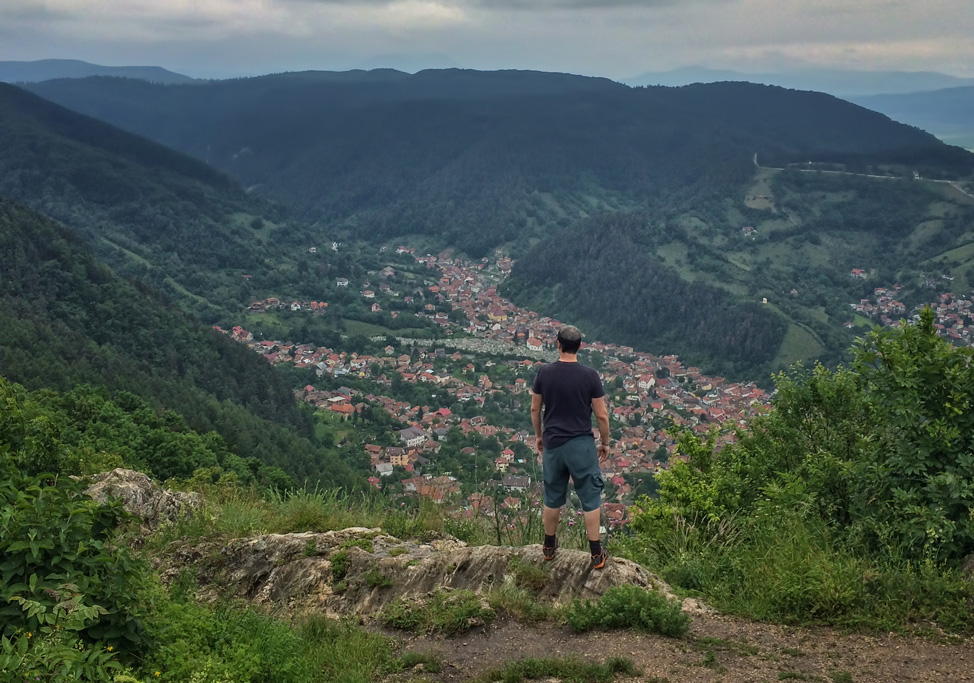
617 38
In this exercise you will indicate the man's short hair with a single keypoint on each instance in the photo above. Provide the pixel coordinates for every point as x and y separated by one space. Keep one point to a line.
570 338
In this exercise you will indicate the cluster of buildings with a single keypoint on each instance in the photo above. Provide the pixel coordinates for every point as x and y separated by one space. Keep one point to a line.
647 393
954 314
883 305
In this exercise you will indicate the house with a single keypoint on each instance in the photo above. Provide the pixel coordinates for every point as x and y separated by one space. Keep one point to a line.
343 409
516 483
384 469
342 282
413 437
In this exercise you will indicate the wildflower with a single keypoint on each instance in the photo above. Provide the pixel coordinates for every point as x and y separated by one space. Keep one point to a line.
30 635
571 522
110 648
157 673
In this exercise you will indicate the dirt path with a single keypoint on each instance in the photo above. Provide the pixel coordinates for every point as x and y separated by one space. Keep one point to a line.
717 649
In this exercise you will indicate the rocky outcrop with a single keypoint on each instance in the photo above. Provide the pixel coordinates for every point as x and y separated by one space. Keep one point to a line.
142 497
358 571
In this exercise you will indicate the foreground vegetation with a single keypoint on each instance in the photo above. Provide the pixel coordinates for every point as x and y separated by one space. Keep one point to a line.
849 503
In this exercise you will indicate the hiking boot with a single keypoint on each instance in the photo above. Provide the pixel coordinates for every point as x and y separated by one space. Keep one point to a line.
599 559
549 551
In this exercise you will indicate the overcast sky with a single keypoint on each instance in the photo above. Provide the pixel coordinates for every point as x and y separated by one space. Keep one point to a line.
615 38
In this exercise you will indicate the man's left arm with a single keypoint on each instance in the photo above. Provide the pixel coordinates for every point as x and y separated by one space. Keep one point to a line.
536 404
602 418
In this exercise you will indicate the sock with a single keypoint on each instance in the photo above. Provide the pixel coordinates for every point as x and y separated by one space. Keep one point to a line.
549 541
595 547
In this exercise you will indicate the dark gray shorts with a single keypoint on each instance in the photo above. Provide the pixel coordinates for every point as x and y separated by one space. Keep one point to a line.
579 460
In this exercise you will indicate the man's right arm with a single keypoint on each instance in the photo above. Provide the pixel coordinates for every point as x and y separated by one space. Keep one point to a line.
536 405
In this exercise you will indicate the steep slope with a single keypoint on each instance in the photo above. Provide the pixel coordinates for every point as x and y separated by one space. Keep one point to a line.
67 319
47 69
149 212
480 159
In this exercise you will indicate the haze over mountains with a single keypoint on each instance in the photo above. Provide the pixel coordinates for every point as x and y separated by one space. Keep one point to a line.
949 114
845 83
47 69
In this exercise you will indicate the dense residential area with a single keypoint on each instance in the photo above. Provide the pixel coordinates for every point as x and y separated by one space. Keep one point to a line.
480 374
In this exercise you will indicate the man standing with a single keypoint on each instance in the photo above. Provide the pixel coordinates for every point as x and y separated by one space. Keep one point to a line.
570 392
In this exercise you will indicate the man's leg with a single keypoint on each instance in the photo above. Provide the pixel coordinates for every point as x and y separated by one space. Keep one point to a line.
593 522
589 485
555 476
551 517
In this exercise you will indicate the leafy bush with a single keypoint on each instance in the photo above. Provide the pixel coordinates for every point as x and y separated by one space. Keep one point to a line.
55 652
629 607
849 502
57 551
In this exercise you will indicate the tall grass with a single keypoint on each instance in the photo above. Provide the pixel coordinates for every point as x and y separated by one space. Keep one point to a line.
238 512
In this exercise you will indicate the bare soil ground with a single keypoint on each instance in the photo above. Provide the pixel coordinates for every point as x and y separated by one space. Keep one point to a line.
718 648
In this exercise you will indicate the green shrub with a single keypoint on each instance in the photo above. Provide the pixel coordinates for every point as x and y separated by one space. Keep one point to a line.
848 503
55 652
629 607
56 547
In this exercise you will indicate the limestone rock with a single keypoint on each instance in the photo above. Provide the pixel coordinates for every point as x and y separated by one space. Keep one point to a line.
142 497
358 570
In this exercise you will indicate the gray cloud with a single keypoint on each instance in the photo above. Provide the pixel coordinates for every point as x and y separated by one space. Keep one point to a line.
532 5
542 5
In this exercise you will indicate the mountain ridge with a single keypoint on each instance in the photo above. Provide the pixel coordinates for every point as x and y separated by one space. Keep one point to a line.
845 83
48 69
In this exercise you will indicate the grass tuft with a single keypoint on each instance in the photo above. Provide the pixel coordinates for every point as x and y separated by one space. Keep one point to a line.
567 670
446 612
629 607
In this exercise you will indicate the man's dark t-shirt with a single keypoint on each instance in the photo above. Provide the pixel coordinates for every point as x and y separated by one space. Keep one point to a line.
567 390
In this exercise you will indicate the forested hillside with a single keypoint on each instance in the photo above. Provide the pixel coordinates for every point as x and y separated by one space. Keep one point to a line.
68 320
150 213
605 274
480 159
750 285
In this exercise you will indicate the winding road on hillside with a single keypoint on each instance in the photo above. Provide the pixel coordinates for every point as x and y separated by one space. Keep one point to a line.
953 183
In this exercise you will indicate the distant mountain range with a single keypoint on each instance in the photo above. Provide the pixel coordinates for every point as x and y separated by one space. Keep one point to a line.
839 82
949 114
645 191
480 159
48 69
